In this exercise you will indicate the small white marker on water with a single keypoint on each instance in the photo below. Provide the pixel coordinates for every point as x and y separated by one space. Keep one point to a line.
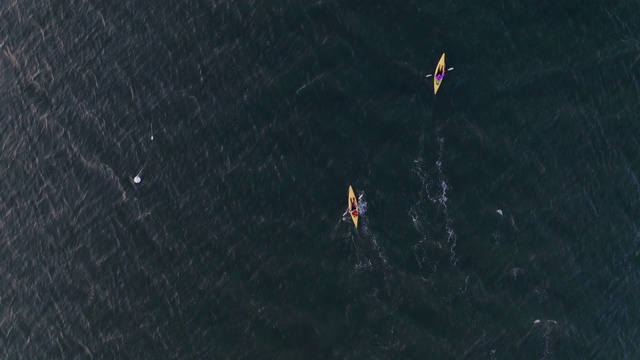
137 179
499 212
536 322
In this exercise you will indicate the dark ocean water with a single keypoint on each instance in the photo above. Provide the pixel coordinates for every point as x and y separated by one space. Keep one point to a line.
247 121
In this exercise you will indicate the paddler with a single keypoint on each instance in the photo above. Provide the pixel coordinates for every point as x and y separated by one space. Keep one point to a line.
354 210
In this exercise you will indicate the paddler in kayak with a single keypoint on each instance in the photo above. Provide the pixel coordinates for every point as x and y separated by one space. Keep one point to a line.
440 74
354 209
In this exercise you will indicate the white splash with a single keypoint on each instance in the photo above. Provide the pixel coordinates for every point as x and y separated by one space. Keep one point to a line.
362 204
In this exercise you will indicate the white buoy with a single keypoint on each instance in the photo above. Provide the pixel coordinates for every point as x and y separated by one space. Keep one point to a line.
536 322
137 179
151 137
499 211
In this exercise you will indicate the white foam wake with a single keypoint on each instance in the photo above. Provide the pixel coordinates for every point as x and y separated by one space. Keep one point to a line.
451 235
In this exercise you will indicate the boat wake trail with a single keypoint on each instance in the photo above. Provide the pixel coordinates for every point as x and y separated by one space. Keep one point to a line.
429 191
362 261
362 205
548 350
420 249
377 248
381 264
547 327
451 235
419 169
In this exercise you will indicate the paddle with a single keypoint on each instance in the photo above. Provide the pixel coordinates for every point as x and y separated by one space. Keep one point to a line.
449 69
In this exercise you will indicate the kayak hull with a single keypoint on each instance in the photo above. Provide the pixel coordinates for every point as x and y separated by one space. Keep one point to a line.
440 67
352 199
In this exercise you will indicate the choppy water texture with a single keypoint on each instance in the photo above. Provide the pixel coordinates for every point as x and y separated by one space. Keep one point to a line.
262 113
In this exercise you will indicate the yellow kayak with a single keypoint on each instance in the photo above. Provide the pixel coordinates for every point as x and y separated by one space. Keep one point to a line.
353 208
437 79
